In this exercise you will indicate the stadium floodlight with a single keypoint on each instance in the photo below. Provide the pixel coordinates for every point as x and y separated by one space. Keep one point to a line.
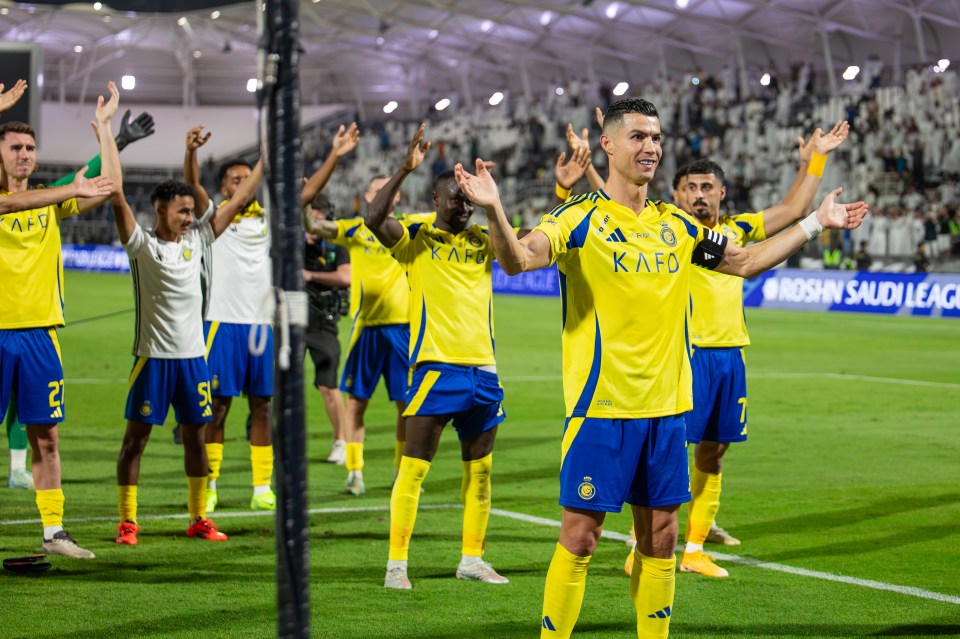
128 82
695 81
4 11
765 79
496 98
182 21
442 104
486 25
390 106
851 72
682 4
197 53
546 17
559 91
252 85
78 48
380 41
612 10
214 15
97 6
943 63
432 34
621 88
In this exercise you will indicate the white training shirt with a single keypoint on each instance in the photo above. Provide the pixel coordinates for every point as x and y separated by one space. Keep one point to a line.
167 294
241 291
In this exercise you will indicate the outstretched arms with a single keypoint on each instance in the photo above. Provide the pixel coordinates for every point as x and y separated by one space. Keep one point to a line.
387 229
344 142
80 187
109 154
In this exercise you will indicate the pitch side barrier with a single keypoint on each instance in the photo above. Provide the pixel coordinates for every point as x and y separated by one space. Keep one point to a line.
923 294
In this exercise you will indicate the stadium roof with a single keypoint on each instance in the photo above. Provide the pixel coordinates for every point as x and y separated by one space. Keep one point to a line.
370 52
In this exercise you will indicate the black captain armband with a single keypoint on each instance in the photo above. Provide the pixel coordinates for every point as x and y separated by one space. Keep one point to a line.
710 250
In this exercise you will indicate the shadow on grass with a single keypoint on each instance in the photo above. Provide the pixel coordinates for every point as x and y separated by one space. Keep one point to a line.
921 630
919 534
810 630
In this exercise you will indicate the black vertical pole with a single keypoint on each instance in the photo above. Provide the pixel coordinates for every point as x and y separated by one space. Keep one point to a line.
280 113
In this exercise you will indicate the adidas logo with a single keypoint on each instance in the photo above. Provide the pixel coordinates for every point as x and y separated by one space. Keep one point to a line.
616 236
547 624
58 412
660 614
207 412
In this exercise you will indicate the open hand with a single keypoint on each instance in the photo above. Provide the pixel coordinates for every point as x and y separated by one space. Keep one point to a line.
196 138
346 140
92 187
106 109
417 151
480 188
835 215
823 143
569 173
11 97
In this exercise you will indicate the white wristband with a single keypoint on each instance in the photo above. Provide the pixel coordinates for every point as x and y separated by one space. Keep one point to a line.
811 226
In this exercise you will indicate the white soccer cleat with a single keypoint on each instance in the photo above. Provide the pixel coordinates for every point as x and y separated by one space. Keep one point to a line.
718 535
479 570
21 478
338 453
63 544
354 485
397 579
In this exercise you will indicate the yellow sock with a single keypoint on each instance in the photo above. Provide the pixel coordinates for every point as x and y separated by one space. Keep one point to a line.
563 593
475 493
403 505
704 504
651 588
50 505
398 452
261 462
214 459
197 496
127 502
354 456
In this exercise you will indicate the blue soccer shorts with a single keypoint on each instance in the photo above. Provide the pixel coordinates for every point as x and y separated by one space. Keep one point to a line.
719 396
30 366
471 397
157 384
375 351
233 368
607 462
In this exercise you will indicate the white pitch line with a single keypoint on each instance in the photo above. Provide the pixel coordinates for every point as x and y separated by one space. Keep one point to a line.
544 521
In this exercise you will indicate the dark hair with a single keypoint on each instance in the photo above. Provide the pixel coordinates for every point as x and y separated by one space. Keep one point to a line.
229 164
620 108
443 177
169 190
17 127
322 203
702 166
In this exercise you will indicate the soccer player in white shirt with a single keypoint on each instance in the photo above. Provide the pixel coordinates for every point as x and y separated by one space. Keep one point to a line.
170 366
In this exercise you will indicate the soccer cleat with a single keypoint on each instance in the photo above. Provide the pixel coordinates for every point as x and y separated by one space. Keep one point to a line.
354 485
718 535
21 478
127 533
205 529
264 501
212 501
338 453
397 579
480 570
702 563
63 544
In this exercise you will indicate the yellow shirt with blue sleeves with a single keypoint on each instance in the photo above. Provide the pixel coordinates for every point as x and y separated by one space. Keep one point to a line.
31 266
451 294
716 317
624 284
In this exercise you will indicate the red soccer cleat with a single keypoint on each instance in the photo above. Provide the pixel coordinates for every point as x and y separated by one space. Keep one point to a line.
205 529
127 533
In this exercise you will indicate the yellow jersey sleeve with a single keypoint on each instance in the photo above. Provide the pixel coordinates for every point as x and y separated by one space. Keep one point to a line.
750 226
68 208
560 223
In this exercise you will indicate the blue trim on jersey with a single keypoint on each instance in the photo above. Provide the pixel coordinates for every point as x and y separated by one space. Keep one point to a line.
566 205
603 194
583 404
352 231
493 342
745 226
423 329
412 230
691 228
563 299
579 235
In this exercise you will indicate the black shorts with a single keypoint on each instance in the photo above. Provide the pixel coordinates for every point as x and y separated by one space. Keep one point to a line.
324 347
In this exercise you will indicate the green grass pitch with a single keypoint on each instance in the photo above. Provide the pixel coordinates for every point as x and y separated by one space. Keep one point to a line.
844 474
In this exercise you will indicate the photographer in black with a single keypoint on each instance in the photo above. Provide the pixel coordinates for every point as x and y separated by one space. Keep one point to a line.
326 272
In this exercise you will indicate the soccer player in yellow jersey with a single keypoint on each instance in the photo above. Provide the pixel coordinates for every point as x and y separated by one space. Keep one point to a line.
625 264
453 377
31 299
718 333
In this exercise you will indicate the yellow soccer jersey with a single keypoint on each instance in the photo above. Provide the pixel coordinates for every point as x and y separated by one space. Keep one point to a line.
624 284
451 294
378 290
716 317
31 266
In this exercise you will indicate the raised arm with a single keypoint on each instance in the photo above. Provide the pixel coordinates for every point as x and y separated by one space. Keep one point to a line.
515 255
191 168
583 141
387 229
11 97
130 132
123 216
344 142
813 158
109 154
755 259
224 215
569 173
314 226
80 187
